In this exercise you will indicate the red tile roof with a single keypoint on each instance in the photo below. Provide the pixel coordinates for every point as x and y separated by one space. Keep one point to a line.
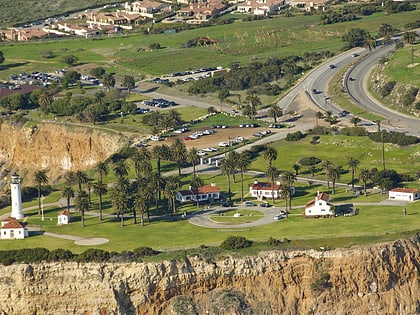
65 212
265 186
12 225
206 189
405 190
323 196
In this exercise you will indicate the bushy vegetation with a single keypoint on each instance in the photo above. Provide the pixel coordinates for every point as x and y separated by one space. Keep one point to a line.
354 131
387 88
295 136
393 137
235 242
309 161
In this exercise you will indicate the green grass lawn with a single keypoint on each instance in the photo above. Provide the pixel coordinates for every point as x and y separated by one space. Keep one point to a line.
229 217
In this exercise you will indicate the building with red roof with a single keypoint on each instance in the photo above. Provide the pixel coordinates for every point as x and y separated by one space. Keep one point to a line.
12 229
320 206
204 193
404 194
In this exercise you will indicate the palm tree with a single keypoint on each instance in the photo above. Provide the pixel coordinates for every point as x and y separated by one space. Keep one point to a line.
326 165
40 178
178 153
80 178
102 169
172 184
353 164
100 189
193 158
120 197
318 115
409 37
272 173
287 180
270 154
334 174
296 167
174 118
227 168
243 163
129 82
195 184
355 121
82 204
108 81
160 152
68 193
275 112
369 42
233 158
364 175
121 169
253 101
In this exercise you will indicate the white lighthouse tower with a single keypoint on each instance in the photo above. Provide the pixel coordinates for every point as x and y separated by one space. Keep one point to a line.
17 211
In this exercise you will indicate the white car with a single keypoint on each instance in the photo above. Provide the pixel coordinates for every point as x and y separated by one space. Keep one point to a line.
155 138
201 153
222 144
207 150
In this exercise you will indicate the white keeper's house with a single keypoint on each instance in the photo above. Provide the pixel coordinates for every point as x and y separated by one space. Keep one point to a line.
404 194
12 229
319 207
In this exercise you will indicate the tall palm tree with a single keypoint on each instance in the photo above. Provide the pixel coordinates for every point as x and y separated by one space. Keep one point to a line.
102 169
409 37
369 42
82 204
270 154
296 167
157 182
195 184
233 158
178 153
80 178
272 173
129 82
326 166
144 196
120 197
334 174
40 178
68 193
287 179
100 189
353 164
160 152
108 81
253 101
364 175
121 169
172 184
227 168
318 115
243 163
193 158
275 112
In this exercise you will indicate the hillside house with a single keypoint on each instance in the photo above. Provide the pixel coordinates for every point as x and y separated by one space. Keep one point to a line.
12 229
309 5
201 12
320 206
404 194
260 7
145 8
263 190
63 217
204 193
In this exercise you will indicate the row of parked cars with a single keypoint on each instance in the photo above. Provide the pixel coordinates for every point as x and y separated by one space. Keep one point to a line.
42 77
159 102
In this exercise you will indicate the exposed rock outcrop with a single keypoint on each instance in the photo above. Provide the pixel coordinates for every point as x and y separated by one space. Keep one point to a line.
381 279
58 148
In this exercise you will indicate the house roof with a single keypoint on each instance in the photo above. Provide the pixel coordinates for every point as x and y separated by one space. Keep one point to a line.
13 224
23 89
323 196
405 190
265 186
206 189
65 212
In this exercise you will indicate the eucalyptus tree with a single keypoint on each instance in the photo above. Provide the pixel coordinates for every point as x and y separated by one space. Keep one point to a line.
364 175
178 153
353 165
287 179
243 164
272 174
227 169
193 158
172 185
40 178
68 193
270 154
82 204
100 189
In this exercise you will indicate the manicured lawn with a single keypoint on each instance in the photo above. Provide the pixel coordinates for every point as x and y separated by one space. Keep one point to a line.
399 68
229 217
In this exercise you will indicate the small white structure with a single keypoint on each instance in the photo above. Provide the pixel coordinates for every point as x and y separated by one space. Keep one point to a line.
319 207
261 190
203 193
17 211
404 194
12 229
63 217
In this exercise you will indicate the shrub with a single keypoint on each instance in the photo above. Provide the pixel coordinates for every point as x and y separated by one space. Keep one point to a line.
296 136
235 242
409 96
144 252
387 88
93 255
353 131
309 161
60 255
274 242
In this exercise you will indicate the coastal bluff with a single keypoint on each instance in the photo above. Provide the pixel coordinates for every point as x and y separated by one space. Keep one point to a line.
376 279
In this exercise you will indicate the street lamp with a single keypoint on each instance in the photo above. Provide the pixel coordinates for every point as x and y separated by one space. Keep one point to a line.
42 207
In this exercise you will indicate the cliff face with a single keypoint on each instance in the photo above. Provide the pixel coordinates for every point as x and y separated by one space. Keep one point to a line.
372 280
54 147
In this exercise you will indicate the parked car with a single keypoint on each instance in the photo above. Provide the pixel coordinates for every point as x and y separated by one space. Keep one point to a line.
281 215
265 205
226 203
250 204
